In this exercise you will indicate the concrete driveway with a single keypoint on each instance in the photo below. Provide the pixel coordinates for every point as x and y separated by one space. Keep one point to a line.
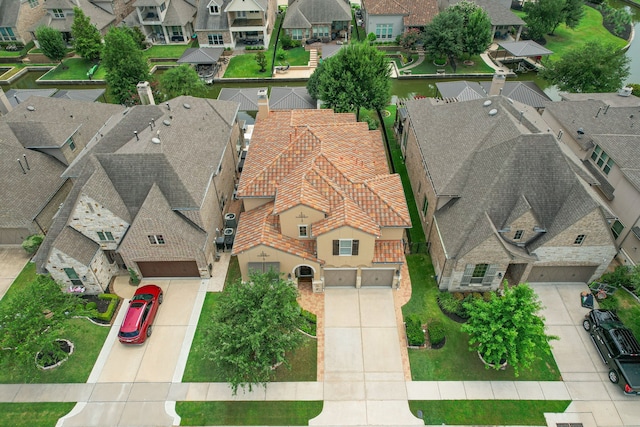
12 261
596 401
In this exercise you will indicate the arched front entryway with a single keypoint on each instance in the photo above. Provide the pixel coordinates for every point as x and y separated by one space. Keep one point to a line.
304 274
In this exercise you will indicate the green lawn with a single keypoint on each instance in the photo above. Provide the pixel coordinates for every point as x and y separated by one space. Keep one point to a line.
295 56
427 67
87 338
243 66
454 362
627 309
8 54
74 69
33 414
165 51
486 412
262 413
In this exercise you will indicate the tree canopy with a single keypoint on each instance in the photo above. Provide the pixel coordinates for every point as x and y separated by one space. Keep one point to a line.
253 325
357 76
443 35
182 80
476 28
591 67
508 328
86 38
261 60
51 43
124 63
544 16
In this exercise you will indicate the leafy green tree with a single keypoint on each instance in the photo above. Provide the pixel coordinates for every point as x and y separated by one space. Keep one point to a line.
137 35
32 318
32 243
409 38
591 67
508 328
261 60
357 76
476 28
51 43
253 325
124 63
573 12
443 35
543 16
372 38
313 84
86 38
182 80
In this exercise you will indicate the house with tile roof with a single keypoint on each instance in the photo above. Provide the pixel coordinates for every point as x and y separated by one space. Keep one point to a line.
499 198
38 140
17 17
166 21
604 133
150 193
320 19
320 204
229 23
388 19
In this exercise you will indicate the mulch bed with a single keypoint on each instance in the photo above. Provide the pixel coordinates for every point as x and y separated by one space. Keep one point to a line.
453 316
102 304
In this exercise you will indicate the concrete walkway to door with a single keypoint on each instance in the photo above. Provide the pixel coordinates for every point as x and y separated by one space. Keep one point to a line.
364 381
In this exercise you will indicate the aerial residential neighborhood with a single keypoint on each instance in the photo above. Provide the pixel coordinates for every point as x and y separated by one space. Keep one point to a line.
307 212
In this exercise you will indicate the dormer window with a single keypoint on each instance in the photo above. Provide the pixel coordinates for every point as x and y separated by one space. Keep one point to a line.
57 13
162 7
518 235
214 9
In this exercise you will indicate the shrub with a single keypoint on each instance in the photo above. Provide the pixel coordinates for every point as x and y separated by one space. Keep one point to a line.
286 41
371 122
619 277
458 296
281 54
415 336
91 305
133 276
477 295
436 332
32 243
448 302
486 296
108 314
308 323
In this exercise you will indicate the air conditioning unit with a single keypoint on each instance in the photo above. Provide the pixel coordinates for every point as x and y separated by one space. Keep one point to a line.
625 91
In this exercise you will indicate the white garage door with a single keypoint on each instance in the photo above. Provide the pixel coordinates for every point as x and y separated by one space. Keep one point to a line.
561 274
340 277
377 277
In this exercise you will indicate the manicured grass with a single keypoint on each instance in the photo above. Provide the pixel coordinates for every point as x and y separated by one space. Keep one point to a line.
165 51
295 56
33 414
427 67
486 412
454 362
8 53
74 69
628 309
243 66
247 413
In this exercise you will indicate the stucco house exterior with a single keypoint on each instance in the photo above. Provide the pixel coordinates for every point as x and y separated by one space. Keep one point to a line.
322 19
388 19
228 23
40 138
17 17
320 204
498 197
150 193
603 131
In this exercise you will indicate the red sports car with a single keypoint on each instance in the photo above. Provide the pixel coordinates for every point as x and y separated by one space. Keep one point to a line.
137 323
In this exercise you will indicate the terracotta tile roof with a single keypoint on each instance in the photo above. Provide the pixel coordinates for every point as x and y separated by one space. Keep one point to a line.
417 12
388 251
261 226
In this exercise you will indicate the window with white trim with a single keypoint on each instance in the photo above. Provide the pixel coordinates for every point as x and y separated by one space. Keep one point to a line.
215 39
346 247
296 34
478 273
303 230
579 239
214 9
105 236
616 228
156 239
322 31
384 31
7 34
602 159
57 13
33 3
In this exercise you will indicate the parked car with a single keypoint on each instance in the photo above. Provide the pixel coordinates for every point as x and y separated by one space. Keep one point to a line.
313 40
138 322
617 347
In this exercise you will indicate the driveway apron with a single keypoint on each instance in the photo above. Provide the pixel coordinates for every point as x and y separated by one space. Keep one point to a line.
12 261
364 380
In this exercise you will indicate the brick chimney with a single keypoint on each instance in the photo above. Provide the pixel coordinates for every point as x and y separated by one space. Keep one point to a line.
263 104
146 96
497 83
5 106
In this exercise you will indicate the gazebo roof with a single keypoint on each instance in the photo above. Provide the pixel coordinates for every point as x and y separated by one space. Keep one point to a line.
525 48
201 55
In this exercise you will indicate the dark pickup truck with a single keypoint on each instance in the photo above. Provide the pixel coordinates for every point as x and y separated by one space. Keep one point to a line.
618 348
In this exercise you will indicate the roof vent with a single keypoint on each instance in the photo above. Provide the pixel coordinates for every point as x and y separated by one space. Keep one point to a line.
187 106
166 122
493 112
31 108
486 103
155 140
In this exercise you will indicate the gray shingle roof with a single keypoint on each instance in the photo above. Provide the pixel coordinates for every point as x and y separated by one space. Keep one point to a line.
18 96
461 90
497 11
246 97
76 245
201 55
207 21
290 98
9 11
90 95
179 12
526 92
100 17
526 48
301 13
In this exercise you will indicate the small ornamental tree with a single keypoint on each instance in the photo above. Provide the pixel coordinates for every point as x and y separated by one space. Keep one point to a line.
253 325
508 328
261 60
86 38
409 38
32 243
51 43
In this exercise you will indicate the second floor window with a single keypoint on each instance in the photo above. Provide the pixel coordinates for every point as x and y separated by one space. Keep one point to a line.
71 143
156 239
303 231
518 235
579 239
616 228
57 13
33 3
105 236
345 247
602 159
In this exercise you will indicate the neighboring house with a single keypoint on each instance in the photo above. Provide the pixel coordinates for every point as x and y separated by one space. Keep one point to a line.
19 96
167 21
291 98
503 20
247 98
17 17
321 19
229 23
59 15
39 139
526 92
150 197
320 204
388 19
603 130
498 197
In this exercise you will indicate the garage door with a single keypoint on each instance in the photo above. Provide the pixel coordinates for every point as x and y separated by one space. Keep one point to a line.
341 277
561 274
377 277
169 269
